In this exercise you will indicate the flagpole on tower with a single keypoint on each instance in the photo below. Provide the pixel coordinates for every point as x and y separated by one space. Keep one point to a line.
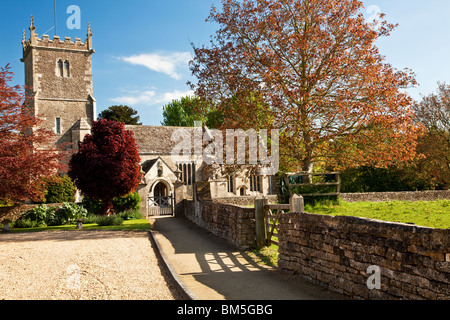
54 6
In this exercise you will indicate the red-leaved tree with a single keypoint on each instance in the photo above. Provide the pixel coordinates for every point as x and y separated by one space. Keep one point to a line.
26 151
108 163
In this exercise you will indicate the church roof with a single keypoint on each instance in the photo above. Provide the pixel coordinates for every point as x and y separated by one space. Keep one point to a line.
149 164
156 140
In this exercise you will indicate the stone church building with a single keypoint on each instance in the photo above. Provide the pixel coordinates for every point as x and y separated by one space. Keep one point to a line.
58 75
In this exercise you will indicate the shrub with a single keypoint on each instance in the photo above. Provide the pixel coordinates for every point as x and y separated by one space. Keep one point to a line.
39 215
24 223
92 206
90 219
69 213
44 216
131 201
112 220
131 214
59 190
392 179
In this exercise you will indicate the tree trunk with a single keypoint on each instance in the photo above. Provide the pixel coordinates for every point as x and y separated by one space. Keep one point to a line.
308 167
106 208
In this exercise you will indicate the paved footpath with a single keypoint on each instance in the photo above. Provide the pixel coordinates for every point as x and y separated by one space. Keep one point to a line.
211 269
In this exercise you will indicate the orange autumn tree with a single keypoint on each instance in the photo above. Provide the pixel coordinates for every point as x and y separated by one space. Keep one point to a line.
315 64
24 160
433 111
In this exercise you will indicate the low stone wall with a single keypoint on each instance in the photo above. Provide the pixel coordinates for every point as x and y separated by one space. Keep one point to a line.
392 196
344 254
233 223
243 201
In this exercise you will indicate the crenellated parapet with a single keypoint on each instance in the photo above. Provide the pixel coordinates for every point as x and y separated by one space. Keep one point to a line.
56 43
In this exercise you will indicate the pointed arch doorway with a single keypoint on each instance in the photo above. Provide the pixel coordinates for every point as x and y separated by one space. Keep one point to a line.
160 190
160 200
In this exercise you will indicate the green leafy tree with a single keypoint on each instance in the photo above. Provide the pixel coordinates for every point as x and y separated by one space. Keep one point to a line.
123 114
187 110
130 202
59 190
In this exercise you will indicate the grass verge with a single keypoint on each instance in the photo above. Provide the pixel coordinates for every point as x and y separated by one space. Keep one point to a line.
432 214
134 225
265 255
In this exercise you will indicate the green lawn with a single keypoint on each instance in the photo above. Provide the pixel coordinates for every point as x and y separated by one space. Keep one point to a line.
433 214
141 224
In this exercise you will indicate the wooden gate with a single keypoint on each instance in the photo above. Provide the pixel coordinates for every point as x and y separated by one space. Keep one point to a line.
160 206
324 184
272 214
267 216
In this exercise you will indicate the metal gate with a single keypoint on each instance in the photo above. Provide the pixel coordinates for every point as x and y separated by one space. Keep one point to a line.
160 206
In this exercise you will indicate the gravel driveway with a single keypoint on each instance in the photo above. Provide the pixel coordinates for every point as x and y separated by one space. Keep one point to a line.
89 265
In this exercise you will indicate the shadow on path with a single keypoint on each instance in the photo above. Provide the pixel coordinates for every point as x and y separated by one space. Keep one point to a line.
215 270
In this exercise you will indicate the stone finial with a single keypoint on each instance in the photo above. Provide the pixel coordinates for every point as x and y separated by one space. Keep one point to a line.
24 38
33 34
89 38
32 26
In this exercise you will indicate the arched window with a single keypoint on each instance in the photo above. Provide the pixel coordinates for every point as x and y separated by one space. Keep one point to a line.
67 68
60 68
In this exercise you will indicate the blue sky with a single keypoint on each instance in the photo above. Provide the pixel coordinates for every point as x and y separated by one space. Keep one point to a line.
143 46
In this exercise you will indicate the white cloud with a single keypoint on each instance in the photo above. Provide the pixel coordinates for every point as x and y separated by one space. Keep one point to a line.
176 94
168 64
134 98
150 98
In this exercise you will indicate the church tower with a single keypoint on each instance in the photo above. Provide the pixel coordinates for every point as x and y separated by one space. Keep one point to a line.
58 77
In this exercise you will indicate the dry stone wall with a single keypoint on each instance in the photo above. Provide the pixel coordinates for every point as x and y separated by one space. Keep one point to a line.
396 196
344 254
235 224
244 201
